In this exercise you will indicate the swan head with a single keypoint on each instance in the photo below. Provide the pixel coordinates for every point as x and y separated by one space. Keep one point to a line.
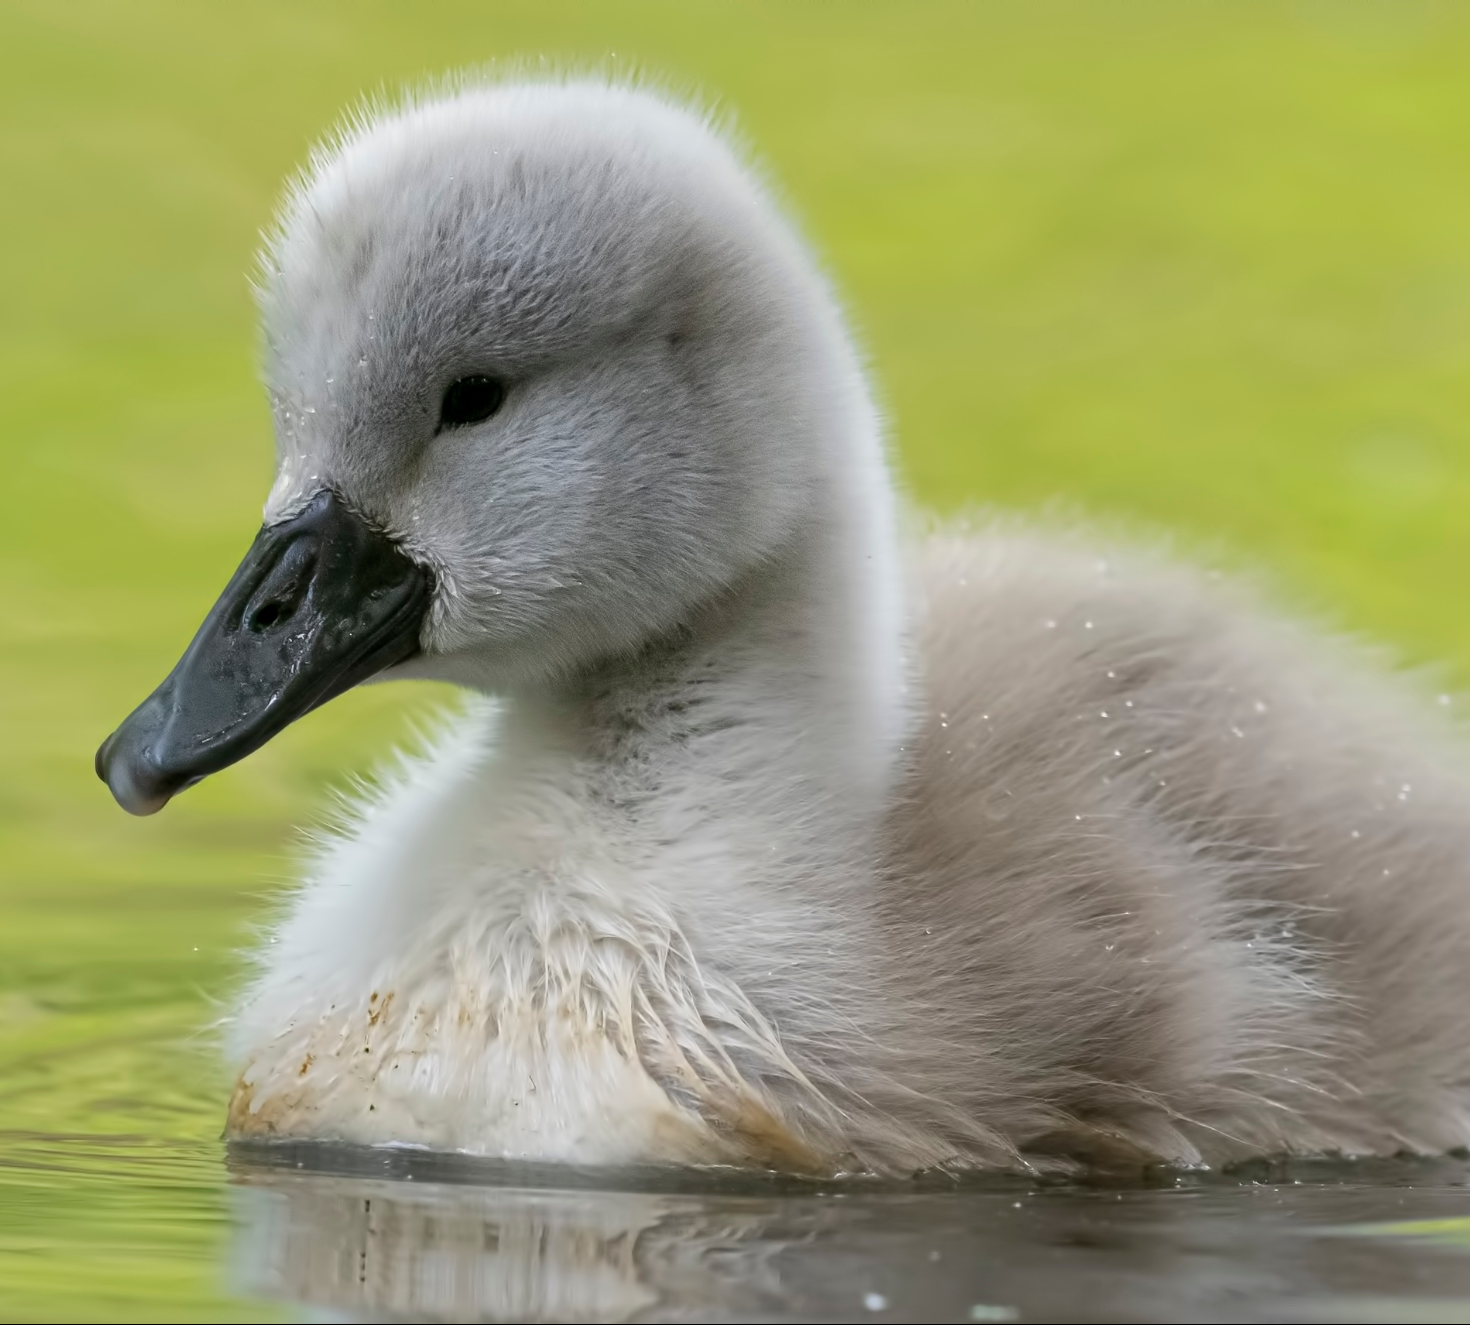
548 371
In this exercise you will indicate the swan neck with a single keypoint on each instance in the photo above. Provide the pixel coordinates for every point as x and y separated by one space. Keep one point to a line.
791 686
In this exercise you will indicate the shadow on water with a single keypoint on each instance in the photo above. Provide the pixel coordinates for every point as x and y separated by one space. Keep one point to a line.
388 1235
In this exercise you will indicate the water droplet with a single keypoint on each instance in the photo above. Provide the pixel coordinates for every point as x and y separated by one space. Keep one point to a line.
984 1310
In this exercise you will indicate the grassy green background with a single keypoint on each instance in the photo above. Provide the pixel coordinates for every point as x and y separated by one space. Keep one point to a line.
1201 266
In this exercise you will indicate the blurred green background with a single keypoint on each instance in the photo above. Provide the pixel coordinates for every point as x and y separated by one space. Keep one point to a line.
1201 267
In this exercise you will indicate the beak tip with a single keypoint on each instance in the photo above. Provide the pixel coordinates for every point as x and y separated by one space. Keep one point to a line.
142 808
134 799
135 795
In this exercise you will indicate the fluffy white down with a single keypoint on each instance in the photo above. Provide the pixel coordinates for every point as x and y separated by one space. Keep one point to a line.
1059 856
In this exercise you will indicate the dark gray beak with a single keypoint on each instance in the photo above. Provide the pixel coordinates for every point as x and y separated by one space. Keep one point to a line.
320 603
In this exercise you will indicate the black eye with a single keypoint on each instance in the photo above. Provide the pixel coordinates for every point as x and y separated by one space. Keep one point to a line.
469 400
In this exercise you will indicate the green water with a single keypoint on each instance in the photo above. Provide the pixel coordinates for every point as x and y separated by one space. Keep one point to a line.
1200 267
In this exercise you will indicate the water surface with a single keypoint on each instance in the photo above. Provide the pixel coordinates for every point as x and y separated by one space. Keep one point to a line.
337 1233
368 1236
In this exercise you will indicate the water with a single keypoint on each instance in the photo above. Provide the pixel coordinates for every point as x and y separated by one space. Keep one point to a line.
372 1236
336 1233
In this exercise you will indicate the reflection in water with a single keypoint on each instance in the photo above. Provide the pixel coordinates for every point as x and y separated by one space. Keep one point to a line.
372 1235
374 1246
508 1254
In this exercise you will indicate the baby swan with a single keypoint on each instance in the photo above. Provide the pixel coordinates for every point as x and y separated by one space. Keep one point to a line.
766 852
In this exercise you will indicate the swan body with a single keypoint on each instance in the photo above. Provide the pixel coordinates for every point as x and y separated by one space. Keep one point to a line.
767 837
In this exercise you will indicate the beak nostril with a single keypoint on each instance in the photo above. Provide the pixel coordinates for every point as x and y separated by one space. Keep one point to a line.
266 615
284 588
